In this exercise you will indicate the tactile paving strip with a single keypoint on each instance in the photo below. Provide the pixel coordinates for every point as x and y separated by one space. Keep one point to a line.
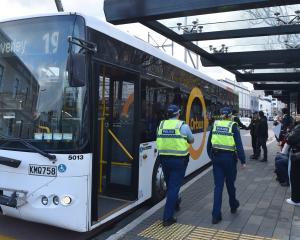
173 232
2 237
200 233
188 232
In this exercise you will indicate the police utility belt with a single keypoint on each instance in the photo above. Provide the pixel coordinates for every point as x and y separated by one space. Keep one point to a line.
216 151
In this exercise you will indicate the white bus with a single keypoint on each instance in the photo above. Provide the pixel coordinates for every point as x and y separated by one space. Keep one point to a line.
80 102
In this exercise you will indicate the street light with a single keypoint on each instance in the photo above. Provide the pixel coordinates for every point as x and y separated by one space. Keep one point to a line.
294 20
179 26
286 42
223 49
194 28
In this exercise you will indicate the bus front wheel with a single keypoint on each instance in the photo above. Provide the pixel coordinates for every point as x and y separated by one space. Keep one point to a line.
159 187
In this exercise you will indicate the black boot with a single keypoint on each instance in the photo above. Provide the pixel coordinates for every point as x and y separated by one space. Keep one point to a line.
169 222
216 220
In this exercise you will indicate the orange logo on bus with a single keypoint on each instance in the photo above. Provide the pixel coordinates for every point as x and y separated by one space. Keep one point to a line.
197 119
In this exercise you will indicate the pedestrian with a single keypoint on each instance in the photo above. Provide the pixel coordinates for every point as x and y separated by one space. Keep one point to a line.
224 147
293 140
252 128
287 124
281 167
262 136
287 120
236 119
173 140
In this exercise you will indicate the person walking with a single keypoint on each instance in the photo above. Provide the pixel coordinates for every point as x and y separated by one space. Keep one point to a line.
224 147
173 140
262 136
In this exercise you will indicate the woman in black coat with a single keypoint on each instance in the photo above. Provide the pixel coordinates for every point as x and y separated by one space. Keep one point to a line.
293 140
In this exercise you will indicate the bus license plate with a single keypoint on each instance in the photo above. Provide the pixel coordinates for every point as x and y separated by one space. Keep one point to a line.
43 170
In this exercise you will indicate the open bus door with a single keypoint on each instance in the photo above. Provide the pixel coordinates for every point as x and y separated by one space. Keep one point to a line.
118 139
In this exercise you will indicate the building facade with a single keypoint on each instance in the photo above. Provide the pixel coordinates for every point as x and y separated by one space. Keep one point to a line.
247 101
265 105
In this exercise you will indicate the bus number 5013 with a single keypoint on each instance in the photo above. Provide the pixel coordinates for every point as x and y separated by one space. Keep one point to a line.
75 157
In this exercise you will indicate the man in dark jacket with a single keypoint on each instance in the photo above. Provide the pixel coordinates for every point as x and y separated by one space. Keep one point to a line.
262 136
252 128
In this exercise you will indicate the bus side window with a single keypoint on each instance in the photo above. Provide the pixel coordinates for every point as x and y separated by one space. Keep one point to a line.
155 99
149 112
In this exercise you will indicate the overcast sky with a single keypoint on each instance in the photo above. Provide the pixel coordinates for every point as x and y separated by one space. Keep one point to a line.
13 8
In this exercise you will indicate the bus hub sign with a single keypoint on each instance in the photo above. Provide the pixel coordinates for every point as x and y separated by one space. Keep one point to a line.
197 119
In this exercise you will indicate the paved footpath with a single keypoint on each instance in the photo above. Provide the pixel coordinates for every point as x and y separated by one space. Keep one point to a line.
263 213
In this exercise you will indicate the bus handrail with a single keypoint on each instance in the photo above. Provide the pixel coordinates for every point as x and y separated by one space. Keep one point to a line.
120 144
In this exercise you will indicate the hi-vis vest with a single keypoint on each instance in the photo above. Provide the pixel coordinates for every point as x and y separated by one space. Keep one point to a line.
222 135
169 140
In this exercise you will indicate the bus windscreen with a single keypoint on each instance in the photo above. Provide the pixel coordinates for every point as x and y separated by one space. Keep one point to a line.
36 101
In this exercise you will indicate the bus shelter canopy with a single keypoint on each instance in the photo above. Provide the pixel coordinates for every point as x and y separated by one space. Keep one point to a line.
257 40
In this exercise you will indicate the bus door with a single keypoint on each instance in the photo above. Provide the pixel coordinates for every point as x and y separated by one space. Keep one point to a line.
118 139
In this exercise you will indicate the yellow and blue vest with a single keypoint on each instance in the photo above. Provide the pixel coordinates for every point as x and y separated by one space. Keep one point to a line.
222 135
169 140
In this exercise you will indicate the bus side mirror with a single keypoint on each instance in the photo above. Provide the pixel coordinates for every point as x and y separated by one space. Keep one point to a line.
76 67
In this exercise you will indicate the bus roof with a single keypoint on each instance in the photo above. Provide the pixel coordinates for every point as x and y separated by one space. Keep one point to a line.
114 32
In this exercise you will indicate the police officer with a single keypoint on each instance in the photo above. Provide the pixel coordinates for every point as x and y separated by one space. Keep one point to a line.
173 139
224 146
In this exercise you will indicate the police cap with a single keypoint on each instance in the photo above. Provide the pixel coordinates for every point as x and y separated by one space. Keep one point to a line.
173 110
226 111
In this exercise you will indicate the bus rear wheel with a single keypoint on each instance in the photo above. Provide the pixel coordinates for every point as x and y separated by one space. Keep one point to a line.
159 187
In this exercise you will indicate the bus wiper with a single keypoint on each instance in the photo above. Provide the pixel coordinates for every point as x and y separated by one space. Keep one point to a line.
51 157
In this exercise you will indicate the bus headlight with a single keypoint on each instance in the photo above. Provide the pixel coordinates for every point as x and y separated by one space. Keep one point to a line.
66 200
44 200
56 200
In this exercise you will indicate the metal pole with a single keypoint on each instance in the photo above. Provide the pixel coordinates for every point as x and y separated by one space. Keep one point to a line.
185 50
59 5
